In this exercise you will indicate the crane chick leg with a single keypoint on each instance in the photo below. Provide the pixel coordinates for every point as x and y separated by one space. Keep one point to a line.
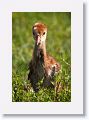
47 82
33 82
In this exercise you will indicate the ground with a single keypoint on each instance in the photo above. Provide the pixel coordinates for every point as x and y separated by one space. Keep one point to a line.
58 45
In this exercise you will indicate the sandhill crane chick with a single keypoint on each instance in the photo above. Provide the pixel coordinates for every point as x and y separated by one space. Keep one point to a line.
42 65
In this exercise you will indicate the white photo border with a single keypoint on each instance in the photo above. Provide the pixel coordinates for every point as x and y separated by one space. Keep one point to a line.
76 104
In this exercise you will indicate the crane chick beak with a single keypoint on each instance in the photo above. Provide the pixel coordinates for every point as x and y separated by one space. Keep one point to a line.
38 39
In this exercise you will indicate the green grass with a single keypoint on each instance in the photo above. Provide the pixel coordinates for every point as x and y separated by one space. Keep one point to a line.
58 45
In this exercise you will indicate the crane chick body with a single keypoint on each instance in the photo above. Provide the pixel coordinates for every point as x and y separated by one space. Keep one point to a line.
42 65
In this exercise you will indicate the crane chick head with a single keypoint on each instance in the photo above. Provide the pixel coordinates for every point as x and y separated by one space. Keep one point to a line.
39 33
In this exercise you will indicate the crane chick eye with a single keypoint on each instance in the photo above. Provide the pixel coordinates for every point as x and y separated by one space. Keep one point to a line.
43 33
33 33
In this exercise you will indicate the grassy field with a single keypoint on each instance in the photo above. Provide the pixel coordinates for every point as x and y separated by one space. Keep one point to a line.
58 45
